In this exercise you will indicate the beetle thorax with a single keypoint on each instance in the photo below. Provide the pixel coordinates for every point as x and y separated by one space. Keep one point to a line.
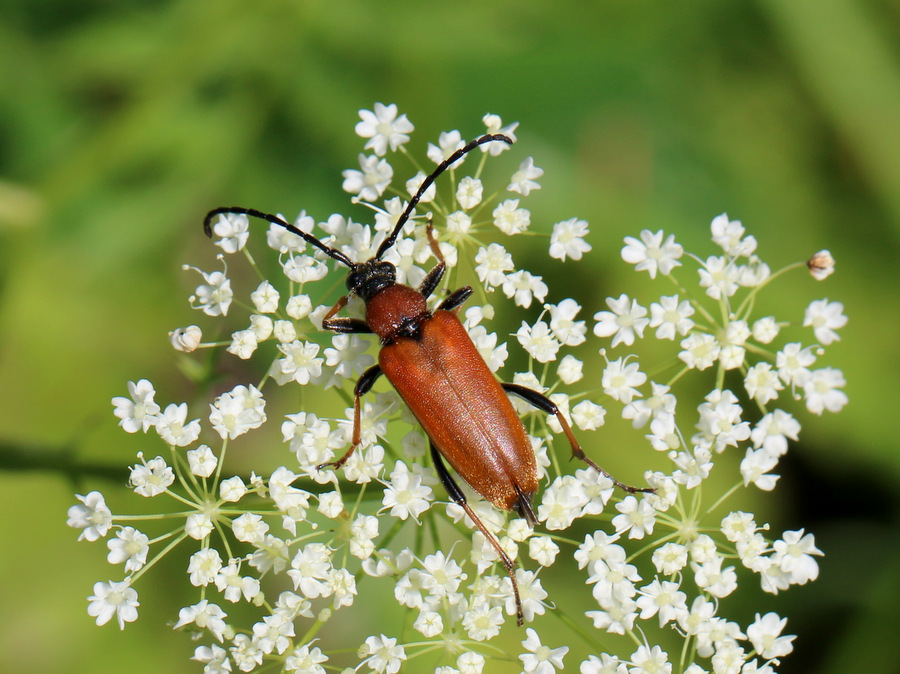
396 311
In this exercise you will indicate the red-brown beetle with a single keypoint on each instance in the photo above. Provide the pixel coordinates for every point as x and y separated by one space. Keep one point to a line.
431 361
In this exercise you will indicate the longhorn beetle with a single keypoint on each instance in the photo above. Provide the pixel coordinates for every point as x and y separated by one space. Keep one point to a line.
432 363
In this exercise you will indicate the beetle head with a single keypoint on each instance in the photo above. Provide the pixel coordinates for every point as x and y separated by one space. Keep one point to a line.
367 279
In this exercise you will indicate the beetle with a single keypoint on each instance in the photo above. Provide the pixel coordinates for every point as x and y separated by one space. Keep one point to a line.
433 365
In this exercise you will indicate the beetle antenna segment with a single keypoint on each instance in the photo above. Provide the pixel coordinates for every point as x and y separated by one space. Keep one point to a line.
443 166
275 220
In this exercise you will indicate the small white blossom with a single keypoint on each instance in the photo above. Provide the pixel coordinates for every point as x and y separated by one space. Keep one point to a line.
151 478
651 253
114 599
384 655
825 318
510 219
524 180
822 390
567 239
626 320
234 230
383 128
541 659
765 635
93 516
138 412
371 181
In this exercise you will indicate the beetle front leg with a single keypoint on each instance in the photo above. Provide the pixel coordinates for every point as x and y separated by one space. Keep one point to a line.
343 324
459 498
365 383
542 402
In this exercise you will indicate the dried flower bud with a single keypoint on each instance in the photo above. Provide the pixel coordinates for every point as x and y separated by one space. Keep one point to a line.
821 265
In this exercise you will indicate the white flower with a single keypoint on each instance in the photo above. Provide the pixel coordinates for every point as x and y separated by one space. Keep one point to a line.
139 411
492 264
825 317
383 128
173 427
129 546
237 411
114 599
793 363
822 390
773 431
234 228
213 298
651 253
793 554
384 654
151 478
203 566
469 192
563 324
646 660
205 616
541 659
522 286
765 635
762 383
405 495
729 235
510 219
636 517
305 659
719 276
567 240
371 181
669 316
621 379
626 320
755 468
524 180
538 341
93 517
699 350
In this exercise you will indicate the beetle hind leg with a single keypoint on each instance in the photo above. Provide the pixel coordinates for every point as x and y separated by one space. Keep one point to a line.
459 498
542 402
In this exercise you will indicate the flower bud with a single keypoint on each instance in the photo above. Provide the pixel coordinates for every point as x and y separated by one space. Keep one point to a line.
186 339
821 265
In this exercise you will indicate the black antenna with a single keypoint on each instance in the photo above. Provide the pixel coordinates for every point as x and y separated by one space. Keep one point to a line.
443 166
388 242
275 220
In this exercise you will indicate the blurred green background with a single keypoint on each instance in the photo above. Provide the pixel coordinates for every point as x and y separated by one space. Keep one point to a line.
121 123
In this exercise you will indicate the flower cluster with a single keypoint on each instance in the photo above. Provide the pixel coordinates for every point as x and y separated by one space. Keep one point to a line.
658 564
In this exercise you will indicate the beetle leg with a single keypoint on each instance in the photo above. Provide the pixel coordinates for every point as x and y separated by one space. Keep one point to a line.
365 383
459 498
544 403
343 324
433 278
456 298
